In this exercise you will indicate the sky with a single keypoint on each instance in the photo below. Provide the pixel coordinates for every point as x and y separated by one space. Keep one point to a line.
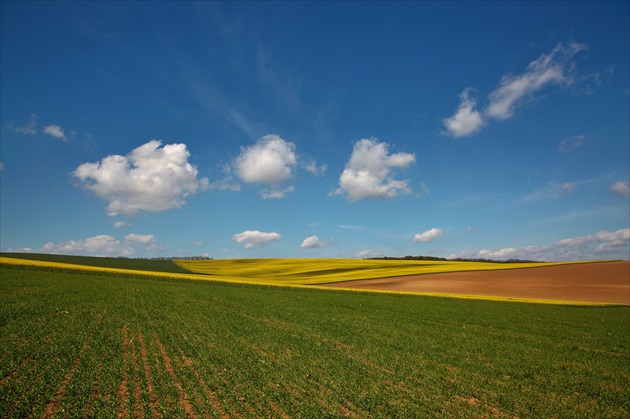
316 129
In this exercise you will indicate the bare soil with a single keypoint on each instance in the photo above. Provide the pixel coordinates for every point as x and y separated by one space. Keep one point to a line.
604 282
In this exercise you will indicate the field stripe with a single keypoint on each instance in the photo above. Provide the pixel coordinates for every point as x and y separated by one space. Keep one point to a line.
47 342
182 399
153 399
210 394
54 404
122 388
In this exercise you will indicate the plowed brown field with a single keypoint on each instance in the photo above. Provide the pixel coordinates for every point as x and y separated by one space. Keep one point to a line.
604 282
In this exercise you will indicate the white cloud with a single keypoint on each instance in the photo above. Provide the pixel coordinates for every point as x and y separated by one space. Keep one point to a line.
56 131
100 245
368 172
367 253
227 183
271 160
552 191
104 245
252 239
621 188
30 128
424 188
603 245
571 143
313 168
466 120
554 68
428 235
567 187
312 242
121 224
149 178
196 244
350 227
1 166
276 193
146 239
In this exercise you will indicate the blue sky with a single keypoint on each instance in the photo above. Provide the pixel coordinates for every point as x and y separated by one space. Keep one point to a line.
321 129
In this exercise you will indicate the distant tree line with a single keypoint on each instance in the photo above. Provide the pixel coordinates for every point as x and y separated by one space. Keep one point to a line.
435 258
171 258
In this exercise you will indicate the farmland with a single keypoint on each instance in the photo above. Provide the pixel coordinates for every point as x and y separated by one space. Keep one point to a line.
121 344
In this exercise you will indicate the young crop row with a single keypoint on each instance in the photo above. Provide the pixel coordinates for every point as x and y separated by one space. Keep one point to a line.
84 344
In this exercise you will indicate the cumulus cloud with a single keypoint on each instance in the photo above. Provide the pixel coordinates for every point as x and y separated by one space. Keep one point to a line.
368 173
571 143
56 131
146 239
312 242
149 178
602 245
196 244
466 120
271 160
252 239
621 188
101 245
428 235
121 224
105 245
555 68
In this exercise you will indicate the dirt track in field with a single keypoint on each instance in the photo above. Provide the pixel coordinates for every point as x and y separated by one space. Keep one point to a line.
604 282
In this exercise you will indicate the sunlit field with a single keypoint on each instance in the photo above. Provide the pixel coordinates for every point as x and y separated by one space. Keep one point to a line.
108 343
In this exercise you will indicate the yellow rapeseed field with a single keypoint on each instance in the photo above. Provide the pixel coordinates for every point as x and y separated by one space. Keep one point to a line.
306 273
324 271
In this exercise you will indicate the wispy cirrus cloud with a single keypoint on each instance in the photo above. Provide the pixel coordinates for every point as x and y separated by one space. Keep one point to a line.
29 128
569 144
555 68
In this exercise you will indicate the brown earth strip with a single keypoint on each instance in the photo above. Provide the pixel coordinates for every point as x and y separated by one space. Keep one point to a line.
602 282
210 394
182 399
122 388
94 393
153 399
54 404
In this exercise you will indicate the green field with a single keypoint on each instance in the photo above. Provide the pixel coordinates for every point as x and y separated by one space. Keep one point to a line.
76 344
104 262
